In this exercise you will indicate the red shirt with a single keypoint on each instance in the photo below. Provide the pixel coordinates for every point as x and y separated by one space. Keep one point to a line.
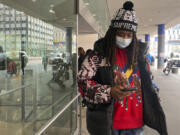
132 116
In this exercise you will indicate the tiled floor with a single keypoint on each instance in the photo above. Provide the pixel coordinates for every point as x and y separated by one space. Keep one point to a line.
84 129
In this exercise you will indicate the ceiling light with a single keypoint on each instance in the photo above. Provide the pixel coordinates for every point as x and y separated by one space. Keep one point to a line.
64 19
51 11
94 15
145 25
86 4
34 0
51 5
150 19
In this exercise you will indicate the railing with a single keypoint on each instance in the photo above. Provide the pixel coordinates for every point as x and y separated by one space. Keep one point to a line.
43 129
16 89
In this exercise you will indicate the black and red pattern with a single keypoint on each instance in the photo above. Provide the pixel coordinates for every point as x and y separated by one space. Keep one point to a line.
92 91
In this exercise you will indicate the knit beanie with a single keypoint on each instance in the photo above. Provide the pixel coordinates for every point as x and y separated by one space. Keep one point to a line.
125 18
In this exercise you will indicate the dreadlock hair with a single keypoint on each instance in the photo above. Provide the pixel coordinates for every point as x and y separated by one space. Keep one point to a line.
110 45
133 52
110 48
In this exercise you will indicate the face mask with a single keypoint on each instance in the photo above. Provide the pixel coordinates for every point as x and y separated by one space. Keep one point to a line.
122 43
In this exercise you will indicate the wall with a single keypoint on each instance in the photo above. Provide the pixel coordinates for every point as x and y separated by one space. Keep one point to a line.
87 40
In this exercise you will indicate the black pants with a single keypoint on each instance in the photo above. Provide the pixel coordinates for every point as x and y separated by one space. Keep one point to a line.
99 122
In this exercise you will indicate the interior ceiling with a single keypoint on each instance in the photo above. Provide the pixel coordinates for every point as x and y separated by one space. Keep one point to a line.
84 27
151 13
62 15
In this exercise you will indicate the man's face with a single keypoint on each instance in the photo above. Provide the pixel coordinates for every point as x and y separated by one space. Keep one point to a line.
124 34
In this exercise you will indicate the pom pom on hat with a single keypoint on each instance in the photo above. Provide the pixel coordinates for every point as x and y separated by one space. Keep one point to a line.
125 18
128 5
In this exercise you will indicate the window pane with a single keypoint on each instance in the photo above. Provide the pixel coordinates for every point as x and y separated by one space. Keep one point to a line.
37 73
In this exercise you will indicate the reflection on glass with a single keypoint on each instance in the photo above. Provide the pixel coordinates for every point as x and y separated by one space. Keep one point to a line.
37 69
100 12
66 123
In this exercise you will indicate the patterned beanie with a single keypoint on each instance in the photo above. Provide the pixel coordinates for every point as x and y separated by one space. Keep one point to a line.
125 18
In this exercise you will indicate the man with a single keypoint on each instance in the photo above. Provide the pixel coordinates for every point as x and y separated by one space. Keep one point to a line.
115 84
45 62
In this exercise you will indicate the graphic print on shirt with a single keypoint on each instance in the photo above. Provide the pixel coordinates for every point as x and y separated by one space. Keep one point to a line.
128 78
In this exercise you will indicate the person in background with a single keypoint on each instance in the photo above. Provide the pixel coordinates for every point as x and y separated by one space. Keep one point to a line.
2 59
152 60
1 49
74 69
171 55
88 51
81 55
45 62
64 58
115 83
11 68
148 56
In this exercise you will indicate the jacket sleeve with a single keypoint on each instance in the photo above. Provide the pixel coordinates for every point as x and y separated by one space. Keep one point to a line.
92 91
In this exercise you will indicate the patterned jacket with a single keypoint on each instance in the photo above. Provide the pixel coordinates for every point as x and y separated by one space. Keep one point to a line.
97 92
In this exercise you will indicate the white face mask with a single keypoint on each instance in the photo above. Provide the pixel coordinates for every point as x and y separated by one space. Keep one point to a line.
122 43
